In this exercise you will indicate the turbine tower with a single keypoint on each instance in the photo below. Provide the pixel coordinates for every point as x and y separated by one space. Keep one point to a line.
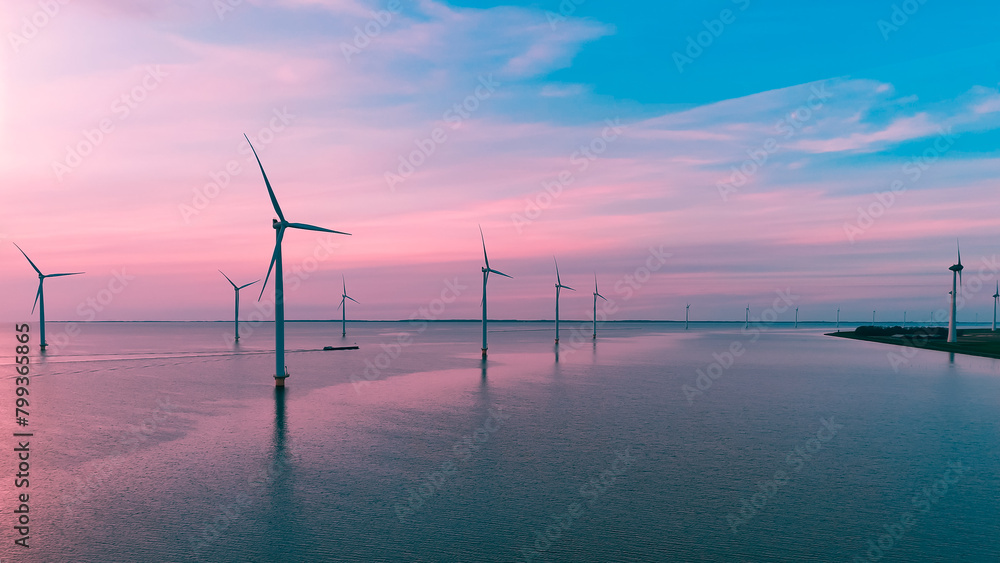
796 317
40 296
596 295
486 275
279 225
687 310
559 286
343 307
747 325
838 319
237 290
996 296
956 277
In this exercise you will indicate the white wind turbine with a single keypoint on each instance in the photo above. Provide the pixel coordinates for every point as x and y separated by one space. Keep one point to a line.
343 307
486 275
596 295
279 225
40 296
559 286
747 323
956 277
996 296
237 290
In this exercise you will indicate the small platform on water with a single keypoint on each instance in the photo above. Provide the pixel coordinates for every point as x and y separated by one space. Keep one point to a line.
329 348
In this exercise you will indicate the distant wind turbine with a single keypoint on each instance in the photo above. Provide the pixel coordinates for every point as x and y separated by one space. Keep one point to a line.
873 317
237 290
838 319
559 286
747 325
343 307
486 275
904 319
996 296
40 296
956 277
796 317
596 295
687 310
279 225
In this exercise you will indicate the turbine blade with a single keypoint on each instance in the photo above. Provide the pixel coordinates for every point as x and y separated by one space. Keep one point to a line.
305 227
352 299
601 296
343 279
37 295
595 284
483 238
270 192
567 287
29 260
274 258
341 303
247 285
558 281
229 280
959 246
499 273
58 275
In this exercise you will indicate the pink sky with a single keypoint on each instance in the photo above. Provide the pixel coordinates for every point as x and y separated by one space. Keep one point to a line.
343 125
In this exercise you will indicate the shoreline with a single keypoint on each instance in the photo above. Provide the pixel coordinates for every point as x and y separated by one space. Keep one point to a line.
972 342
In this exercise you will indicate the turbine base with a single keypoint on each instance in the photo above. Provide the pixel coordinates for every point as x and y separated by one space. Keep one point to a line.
484 353
280 381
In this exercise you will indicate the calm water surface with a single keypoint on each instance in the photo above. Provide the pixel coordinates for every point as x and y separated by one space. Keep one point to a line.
166 442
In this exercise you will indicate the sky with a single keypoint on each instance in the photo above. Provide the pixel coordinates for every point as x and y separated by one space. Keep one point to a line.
714 153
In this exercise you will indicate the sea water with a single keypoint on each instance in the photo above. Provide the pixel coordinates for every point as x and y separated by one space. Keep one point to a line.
168 442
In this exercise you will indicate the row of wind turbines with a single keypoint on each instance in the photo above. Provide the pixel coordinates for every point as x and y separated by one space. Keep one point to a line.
281 224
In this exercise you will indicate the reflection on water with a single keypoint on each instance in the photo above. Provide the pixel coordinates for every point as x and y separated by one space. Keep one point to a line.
479 456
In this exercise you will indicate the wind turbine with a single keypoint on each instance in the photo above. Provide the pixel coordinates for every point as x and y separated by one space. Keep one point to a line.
486 275
279 225
343 304
747 325
40 296
838 319
559 286
956 276
996 296
687 310
237 289
873 317
796 317
596 295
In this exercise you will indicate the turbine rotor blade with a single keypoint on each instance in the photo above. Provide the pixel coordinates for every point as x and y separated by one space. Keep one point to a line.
29 260
37 296
229 280
341 303
305 227
270 192
274 258
58 275
497 272
601 296
352 299
558 281
483 238
247 285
